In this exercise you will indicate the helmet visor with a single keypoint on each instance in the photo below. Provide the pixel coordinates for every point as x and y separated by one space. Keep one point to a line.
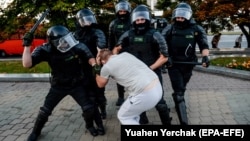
66 43
140 15
182 12
122 6
87 20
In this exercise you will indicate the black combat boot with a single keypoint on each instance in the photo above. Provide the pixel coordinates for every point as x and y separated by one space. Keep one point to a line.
39 124
100 129
92 130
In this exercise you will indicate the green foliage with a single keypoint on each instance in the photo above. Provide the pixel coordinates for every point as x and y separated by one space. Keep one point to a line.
19 14
241 63
16 67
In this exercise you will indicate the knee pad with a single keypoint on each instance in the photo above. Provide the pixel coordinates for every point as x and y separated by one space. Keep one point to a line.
45 112
178 97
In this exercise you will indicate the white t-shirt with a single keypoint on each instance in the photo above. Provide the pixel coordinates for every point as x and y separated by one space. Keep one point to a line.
129 72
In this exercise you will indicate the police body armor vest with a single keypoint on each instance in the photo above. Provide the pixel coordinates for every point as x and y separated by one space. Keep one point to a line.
142 47
120 27
66 68
182 44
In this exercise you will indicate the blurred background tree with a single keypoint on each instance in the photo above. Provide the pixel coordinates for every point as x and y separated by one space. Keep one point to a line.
21 15
213 15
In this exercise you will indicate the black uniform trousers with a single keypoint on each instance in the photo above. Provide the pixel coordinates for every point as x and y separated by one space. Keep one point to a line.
179 76
78 93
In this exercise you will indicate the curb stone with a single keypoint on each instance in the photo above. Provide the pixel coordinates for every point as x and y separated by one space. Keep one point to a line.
44 77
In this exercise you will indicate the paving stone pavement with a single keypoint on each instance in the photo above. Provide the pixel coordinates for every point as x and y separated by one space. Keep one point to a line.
211 99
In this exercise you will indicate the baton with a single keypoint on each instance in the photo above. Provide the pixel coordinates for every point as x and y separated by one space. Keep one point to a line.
32 30
188 63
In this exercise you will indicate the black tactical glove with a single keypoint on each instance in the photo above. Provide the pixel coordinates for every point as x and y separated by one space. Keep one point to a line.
205 60
169 63
96 69
28 39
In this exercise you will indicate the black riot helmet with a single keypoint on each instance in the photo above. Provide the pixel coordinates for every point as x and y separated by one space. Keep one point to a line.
182 10
123 5
85 17
61 38
141 12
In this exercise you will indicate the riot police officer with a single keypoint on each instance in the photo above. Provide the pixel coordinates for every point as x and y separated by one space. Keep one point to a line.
64 55
182 37
88 33
149 46
116 28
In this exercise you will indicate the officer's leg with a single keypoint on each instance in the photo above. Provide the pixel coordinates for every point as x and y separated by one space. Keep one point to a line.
102 107
163 111
180 107
102 102
51 100
42 118
179 96
88 107
98 121
97 97
97 118
162 107
179 81
121 92
88 115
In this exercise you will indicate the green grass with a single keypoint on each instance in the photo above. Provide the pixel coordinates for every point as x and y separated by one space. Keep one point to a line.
16 66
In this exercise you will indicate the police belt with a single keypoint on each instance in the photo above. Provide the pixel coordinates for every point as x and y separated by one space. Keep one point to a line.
67 82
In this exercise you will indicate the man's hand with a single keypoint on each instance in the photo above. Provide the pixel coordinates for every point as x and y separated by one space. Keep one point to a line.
28 39
117 49
205 61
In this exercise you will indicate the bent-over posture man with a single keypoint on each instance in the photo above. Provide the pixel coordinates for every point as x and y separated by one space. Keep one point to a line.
141 83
